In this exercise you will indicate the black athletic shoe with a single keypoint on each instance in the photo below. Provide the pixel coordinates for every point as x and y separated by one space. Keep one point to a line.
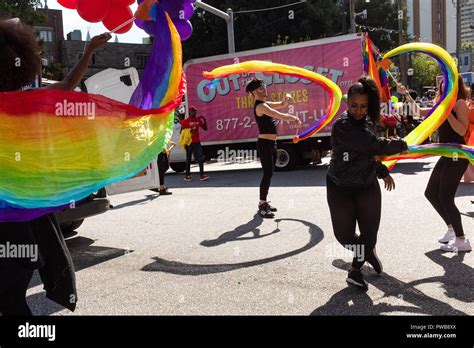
272 208
356 278
165 192
264 211
374 261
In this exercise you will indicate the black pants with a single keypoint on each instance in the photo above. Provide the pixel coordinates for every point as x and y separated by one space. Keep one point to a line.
351 206
267 153
13 285
163 166
197 149
441 190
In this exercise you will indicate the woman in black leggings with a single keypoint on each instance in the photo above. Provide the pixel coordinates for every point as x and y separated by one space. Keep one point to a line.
447 173
266 116
353 192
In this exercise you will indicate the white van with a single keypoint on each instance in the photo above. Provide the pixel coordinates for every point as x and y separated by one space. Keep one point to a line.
119 85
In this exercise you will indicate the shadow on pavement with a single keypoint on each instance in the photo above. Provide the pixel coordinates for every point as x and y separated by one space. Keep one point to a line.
353 301
84 255
238 232
411 168
142 201
162 265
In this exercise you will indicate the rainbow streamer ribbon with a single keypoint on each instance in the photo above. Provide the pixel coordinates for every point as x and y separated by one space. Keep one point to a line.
439 113
275 68
450 150
59 147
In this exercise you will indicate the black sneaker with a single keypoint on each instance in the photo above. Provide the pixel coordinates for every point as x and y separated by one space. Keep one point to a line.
272 208
356 278
165 192
374 261
264 211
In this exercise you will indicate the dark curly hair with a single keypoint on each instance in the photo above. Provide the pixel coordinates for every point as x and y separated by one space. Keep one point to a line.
19 56
367 86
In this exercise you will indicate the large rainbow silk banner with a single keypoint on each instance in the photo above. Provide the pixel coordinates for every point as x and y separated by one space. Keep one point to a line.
57 147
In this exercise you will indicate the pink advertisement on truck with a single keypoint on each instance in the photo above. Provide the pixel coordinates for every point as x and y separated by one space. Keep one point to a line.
229 110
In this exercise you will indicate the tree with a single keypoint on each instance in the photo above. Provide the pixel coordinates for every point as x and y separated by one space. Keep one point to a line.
311 20
425 70
381 23
23 9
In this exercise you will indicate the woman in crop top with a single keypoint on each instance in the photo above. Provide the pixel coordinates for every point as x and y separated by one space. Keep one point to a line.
266 116
448 172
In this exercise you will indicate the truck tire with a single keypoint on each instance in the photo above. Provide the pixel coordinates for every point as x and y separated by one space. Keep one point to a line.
286 158
178 167
69 227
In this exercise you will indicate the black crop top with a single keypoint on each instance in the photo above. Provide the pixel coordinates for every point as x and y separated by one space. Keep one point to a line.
448 135
265 123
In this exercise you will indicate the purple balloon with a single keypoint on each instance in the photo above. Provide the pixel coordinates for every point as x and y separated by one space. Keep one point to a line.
184 28
139 23
188 10
173 8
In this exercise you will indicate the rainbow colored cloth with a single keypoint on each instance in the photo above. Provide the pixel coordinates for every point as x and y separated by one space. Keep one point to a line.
57 147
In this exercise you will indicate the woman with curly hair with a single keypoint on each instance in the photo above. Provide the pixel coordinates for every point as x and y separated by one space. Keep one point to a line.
20 64
353 192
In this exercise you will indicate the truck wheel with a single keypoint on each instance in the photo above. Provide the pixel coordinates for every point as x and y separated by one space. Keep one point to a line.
178 167
68 228
286 158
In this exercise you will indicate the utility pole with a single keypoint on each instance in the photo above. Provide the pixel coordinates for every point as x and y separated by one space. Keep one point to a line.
459 4
352 16
401 41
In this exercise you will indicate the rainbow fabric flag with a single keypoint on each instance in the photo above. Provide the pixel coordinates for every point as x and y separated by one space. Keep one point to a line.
449 150
376 67
57 147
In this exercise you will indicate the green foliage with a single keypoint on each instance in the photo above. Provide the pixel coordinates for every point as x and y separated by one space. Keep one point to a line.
425 71
382 18
311 20
23 9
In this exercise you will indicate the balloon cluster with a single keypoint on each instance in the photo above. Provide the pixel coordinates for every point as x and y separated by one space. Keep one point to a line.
111 13
180 12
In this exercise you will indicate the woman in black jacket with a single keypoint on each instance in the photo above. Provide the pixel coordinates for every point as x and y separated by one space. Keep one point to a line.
353 191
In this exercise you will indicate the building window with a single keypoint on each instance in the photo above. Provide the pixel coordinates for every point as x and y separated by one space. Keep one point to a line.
141 60
46 35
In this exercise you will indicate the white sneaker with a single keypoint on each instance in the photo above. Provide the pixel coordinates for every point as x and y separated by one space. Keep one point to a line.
457 245
449 236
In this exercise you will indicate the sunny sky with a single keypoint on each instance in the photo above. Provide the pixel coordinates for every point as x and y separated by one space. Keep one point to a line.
72 21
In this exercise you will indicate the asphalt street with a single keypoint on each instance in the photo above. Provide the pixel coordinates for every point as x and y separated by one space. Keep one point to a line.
204 251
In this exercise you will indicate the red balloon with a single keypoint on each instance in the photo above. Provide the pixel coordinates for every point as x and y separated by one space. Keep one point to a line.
93 11
117 16
124 2
71 4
